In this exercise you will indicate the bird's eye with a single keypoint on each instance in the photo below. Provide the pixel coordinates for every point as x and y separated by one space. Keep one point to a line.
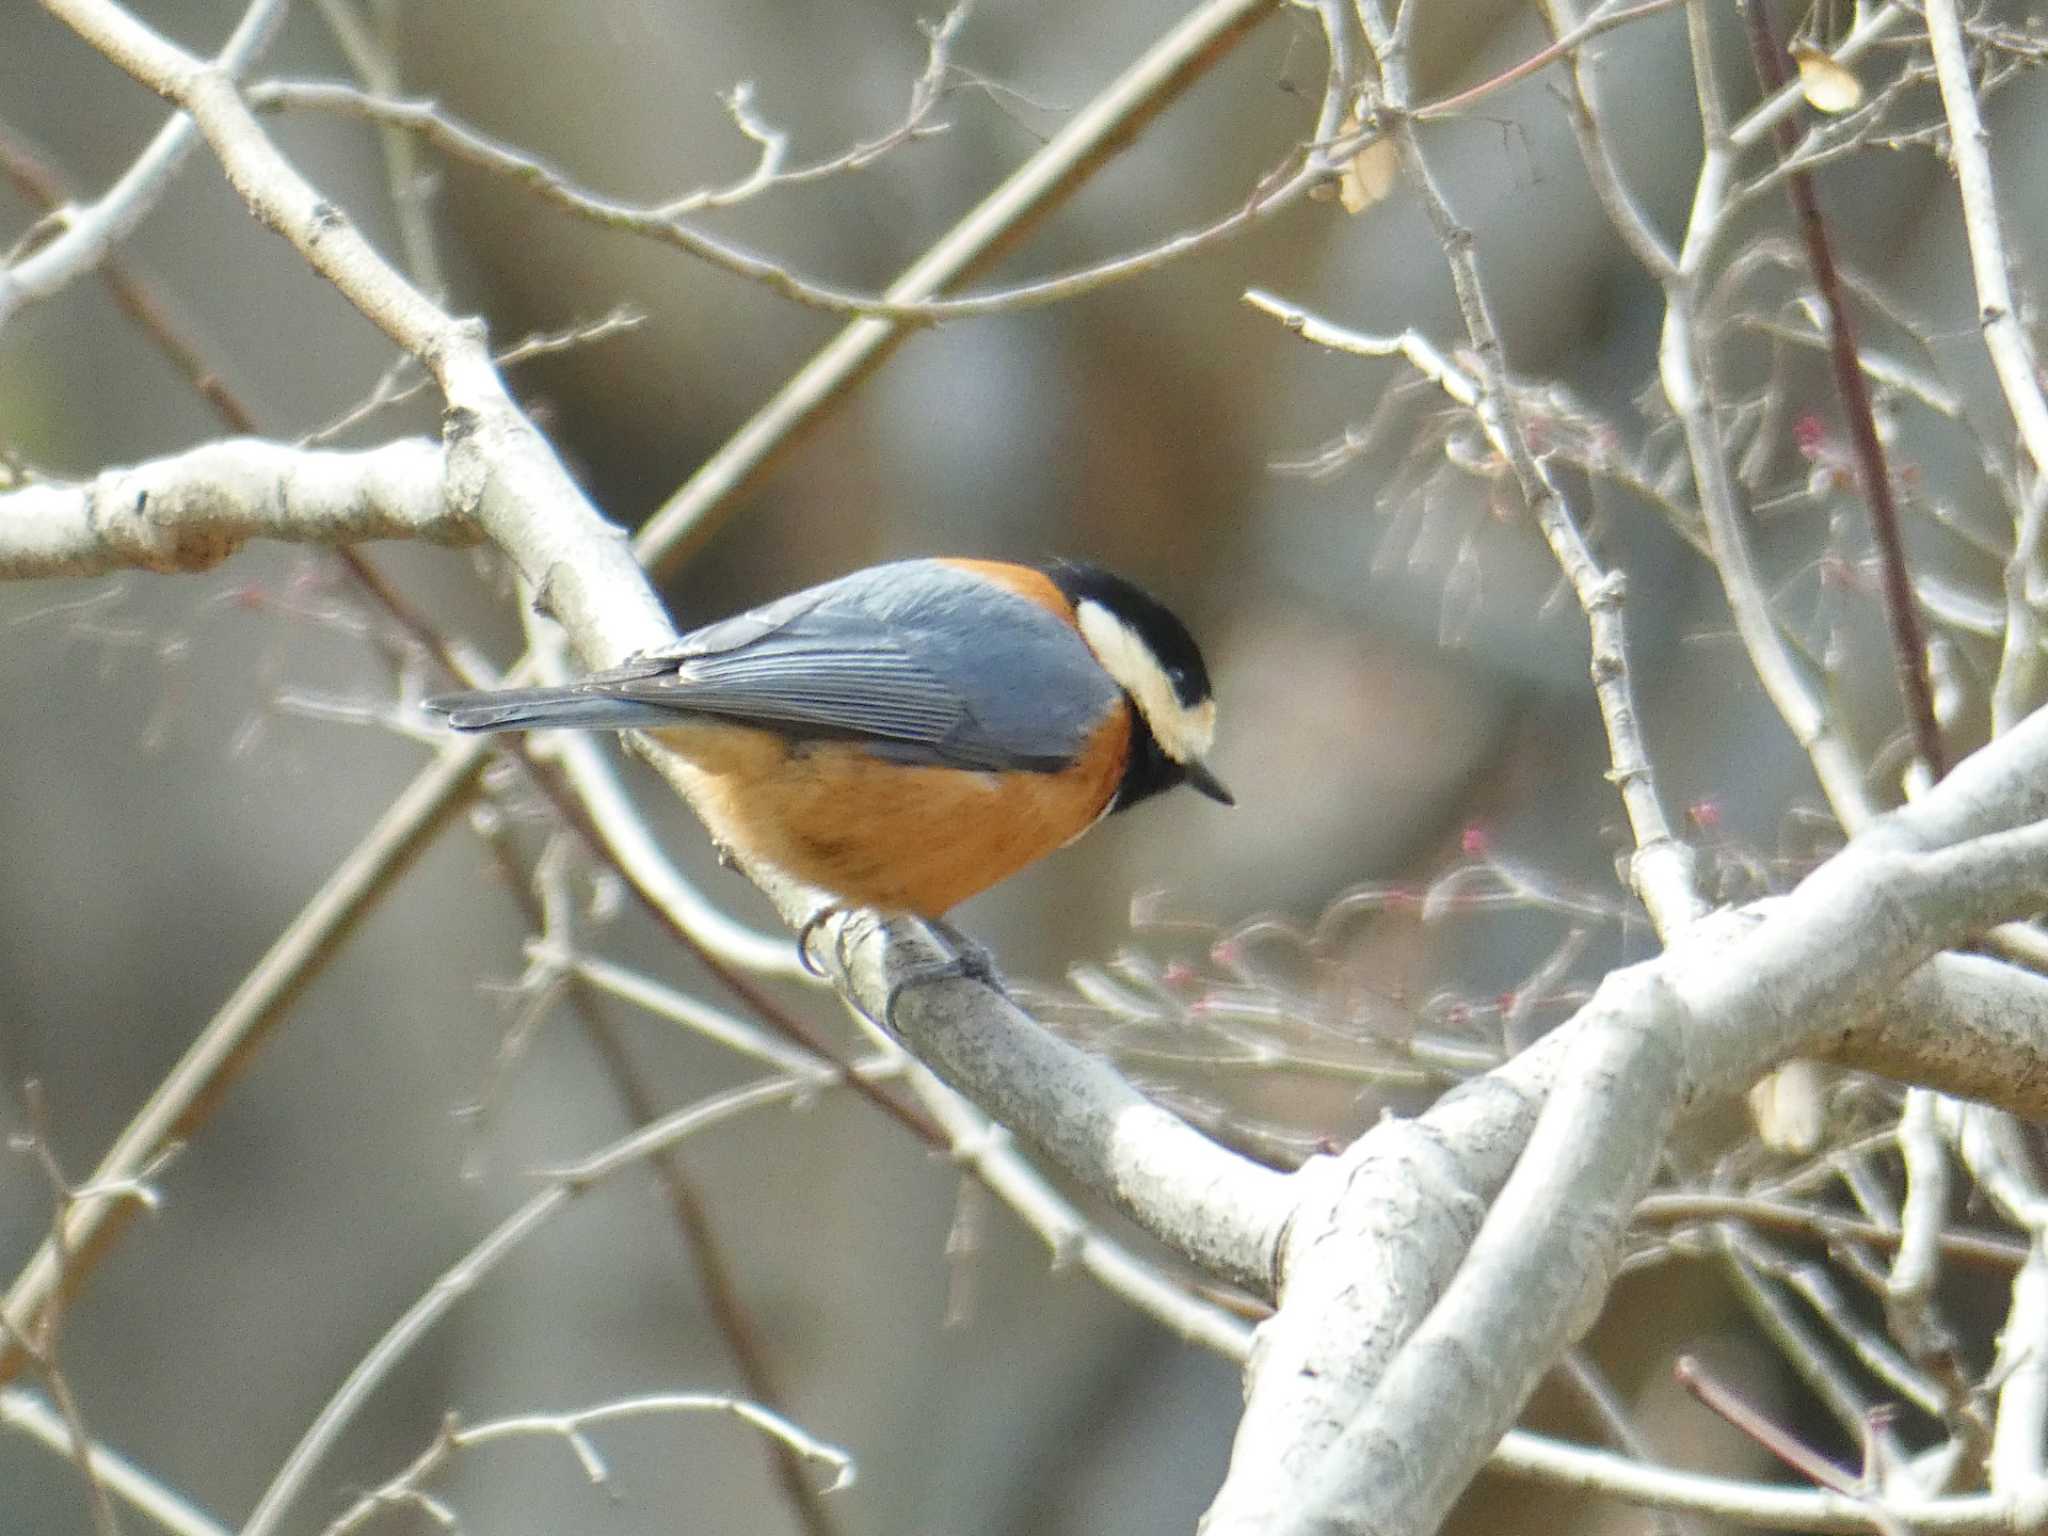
1178 676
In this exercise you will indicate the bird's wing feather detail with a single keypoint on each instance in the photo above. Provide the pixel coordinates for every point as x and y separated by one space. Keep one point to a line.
928 663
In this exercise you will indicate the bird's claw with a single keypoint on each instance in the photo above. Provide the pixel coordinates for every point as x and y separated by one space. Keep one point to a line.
971 961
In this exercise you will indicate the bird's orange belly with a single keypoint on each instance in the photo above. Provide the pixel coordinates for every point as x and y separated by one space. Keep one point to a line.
880 834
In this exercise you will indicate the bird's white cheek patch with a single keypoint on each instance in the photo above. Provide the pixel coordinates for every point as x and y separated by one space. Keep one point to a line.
1182 733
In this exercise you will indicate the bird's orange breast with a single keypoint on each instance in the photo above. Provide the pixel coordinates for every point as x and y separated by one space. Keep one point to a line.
876 833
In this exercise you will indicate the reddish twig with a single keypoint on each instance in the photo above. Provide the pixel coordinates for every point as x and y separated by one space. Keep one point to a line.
1779 1441
1909 641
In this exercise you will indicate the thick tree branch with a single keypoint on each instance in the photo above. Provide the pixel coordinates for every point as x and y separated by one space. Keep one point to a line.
191 511
501 472
1220 1211
1430 1274
1370 1407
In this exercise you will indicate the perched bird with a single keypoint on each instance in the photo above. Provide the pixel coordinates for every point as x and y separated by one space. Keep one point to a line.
908 735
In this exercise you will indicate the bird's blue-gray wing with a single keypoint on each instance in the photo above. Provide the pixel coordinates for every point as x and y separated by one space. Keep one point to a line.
924 662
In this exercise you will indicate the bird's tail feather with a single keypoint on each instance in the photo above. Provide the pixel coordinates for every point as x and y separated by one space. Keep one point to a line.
545 709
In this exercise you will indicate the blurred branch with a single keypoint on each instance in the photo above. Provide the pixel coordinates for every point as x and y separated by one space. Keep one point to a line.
1910 1312
500 470
2012 359
2005 338
1682 367
2016 693
392 389
550 912
1615 1416
1566 45
375 62
1993 1147
663 222
484 1257
1089 140
136 298
1683 370
406 1489
38 1342
228 1040
1663 867
170 1511
193 510
39 183
87 235
1827 1225
1764 1506
1596 154
1787 1447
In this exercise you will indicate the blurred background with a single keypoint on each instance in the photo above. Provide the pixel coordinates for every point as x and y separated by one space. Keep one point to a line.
1402 687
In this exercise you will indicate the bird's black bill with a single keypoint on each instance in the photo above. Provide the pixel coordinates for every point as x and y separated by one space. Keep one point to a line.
1199 777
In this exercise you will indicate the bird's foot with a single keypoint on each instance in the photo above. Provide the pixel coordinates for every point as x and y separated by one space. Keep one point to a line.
971 961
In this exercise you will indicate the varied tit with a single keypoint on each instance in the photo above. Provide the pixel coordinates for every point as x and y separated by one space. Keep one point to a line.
907 736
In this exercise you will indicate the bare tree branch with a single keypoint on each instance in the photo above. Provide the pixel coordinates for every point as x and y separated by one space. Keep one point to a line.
573 1428
495 1247
502 472
230 1037
1909 643
90 234
1089 139
2005 338
191 511
1429 1367
169 1511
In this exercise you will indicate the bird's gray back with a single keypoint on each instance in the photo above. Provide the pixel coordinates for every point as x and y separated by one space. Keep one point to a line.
927 661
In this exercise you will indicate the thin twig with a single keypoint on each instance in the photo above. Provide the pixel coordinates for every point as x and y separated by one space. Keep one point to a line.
703 1245
1611 1411
1090 139
397 1341
663 222
226 1043
2005 337
788 1439
1779 1441
1902 611
1663 866
1685 1207
91 233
